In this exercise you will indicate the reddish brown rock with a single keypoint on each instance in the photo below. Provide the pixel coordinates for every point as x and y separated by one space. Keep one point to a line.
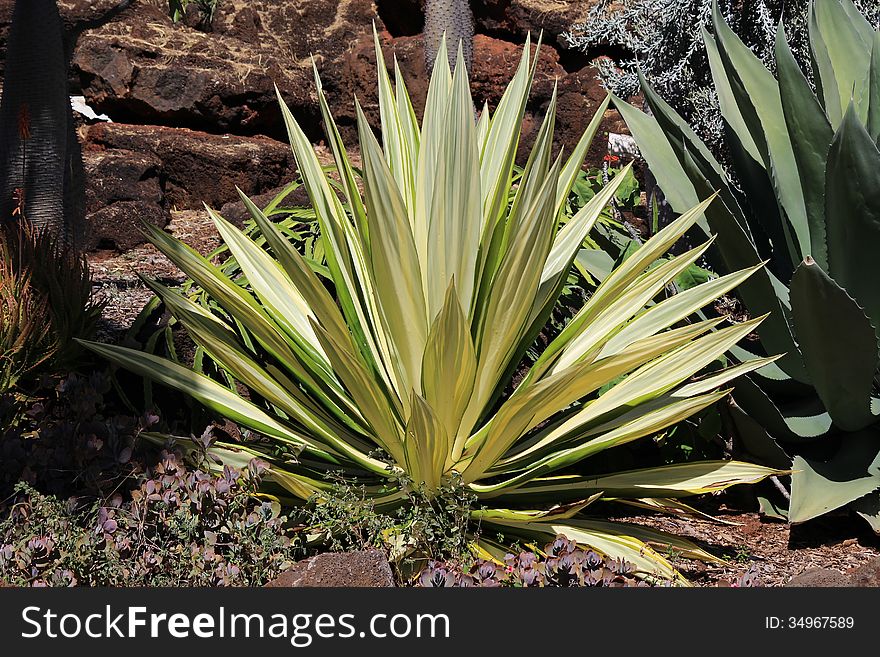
866 575
198 167
124 188
366 569
517 17
144 68
579 93
819 577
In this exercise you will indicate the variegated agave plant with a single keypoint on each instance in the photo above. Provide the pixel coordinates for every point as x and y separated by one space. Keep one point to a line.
441 284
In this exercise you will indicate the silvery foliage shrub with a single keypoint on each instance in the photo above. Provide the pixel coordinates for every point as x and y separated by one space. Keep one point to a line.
664 38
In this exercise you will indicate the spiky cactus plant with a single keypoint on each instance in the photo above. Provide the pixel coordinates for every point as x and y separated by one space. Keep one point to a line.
41 169
455 19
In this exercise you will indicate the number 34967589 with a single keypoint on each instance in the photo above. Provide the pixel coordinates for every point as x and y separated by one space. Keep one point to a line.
809 622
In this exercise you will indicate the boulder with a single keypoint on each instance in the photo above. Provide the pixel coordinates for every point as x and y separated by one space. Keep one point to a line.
75 14
866 575
140 173
518 17
197 167
819 577
579 93
365 569
142 68
124 188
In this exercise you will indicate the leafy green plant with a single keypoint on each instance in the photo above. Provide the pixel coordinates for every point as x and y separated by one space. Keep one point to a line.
803 193
432 525
441 286
45 303
180 527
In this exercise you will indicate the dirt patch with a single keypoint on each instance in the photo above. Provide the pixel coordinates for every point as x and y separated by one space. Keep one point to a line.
774 551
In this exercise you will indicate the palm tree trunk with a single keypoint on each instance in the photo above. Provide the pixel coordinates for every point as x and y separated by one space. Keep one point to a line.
41 168
455 19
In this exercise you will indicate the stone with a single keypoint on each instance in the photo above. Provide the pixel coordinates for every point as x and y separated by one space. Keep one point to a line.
518 17
123 189
866 575
198 167
143 68
579 93
365 569
819 577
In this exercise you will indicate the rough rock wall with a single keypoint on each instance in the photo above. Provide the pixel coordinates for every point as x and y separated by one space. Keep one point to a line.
183 99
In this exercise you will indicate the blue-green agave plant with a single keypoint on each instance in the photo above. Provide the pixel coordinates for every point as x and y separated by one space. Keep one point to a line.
802 192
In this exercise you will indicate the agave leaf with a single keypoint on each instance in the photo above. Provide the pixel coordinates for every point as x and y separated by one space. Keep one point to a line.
607 436
873 86
571 236
732 114
203 389
763 292
394 137
758 100
497 243
449 368
483 126
868 507
558 512
799 424
817 488
852 206
532 178
667 481
349 281
532 404
237 302
432 138
660 155
499 151
674 507
513 293
615 315
340 156
847 38
662 374
609 539
826 81
660 540
394 264
673 310
650 382
839 345
811 136
278 295
314 294
616 283
455 217
369 397
426 445
220 342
